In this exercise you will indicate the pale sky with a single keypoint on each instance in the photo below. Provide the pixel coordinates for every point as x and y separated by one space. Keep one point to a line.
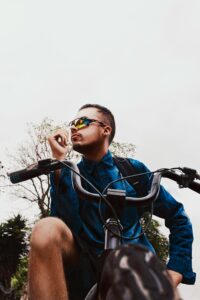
141 59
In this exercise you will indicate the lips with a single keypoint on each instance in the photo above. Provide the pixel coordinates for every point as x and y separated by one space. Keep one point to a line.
75 136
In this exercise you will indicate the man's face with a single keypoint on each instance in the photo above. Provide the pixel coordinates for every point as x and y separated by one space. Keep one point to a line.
92 136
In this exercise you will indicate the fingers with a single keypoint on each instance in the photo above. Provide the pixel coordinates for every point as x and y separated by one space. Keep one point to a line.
61 137
58 142
175 277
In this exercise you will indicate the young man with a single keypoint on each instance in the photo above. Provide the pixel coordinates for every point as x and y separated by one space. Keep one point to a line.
64 250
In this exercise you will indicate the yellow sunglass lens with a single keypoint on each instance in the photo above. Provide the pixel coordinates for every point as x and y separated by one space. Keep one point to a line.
80 123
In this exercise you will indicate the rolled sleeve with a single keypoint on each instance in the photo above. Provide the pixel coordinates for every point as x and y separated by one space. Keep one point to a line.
182 266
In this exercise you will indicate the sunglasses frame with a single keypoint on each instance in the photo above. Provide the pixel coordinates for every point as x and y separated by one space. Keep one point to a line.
85 125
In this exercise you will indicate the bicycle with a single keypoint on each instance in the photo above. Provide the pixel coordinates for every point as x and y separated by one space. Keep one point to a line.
113 228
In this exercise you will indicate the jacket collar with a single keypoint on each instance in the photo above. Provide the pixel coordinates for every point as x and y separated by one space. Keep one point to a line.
91 165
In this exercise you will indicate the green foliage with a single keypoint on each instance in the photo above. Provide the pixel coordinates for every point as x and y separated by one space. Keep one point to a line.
19 280
13 245
156 238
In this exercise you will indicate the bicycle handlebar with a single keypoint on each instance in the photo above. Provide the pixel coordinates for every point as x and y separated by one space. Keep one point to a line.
184 180
47 165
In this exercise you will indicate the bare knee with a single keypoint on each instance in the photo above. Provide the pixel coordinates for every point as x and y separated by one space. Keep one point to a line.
49 233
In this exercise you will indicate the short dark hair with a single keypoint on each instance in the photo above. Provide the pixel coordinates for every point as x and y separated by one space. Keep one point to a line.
107 114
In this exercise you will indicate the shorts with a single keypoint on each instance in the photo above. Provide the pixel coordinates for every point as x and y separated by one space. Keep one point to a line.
84 274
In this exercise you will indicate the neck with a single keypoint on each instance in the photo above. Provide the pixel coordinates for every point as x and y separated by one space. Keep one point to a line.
96 155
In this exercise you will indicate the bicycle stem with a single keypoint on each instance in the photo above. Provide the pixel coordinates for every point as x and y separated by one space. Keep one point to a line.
113 229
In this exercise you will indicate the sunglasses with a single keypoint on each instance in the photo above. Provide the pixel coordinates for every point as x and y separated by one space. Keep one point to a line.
80 123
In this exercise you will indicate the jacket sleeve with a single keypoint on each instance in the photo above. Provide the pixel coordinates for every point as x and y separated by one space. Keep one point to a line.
64 200
53 195
181 234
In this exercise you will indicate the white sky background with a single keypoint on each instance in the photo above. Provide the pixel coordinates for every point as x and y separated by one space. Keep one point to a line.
141 59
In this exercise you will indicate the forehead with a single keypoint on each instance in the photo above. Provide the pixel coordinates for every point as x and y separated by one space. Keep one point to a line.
90 112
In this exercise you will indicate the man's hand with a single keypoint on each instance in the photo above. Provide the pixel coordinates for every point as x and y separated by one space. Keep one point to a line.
59 144
175 277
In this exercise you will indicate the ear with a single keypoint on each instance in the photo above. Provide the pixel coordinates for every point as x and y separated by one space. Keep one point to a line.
107 130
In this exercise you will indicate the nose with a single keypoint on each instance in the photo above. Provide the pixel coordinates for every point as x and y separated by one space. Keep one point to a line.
73 129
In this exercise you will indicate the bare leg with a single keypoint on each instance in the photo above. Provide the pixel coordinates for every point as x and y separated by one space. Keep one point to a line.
51 243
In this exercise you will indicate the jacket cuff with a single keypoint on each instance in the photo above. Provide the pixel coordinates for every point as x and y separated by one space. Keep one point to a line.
183 267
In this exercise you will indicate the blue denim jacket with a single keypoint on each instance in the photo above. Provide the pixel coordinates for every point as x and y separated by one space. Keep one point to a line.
82 216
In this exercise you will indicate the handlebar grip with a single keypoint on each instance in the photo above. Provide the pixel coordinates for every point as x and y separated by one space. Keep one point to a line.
25 174
195 186
43 166
198 176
